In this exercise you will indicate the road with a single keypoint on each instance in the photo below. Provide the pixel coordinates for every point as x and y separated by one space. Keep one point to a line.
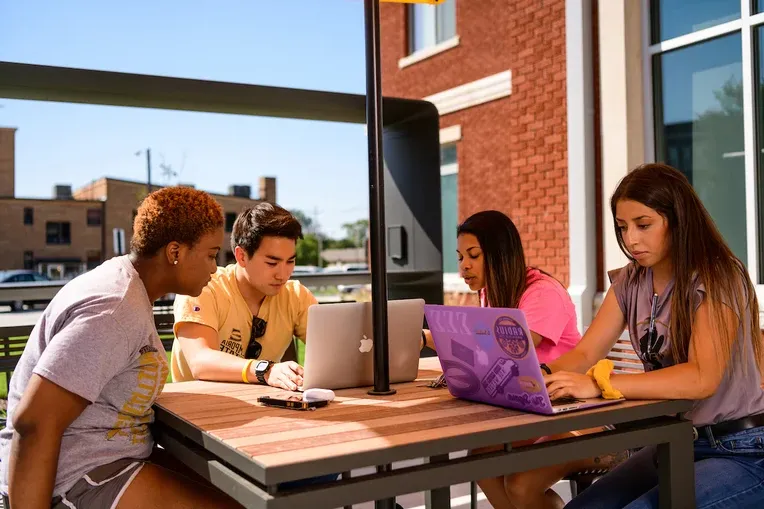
8 319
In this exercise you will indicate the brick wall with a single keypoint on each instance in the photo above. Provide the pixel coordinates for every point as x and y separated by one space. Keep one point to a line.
513 152
16 237
124 197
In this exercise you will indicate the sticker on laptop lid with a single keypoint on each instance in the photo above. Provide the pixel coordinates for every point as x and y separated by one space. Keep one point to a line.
511 337
462 381
498 377
483 335
529 384
462 353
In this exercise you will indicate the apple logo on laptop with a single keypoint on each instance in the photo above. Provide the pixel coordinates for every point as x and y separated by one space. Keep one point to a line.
366 344
482 356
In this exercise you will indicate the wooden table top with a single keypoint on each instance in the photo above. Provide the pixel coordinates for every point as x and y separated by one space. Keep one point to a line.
354 422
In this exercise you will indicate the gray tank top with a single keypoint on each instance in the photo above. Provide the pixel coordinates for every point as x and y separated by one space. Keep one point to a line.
740 393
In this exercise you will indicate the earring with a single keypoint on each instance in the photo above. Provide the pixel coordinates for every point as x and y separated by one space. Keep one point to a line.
175 262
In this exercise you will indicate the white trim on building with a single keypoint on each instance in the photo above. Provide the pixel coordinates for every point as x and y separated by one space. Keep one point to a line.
472 94
428 52
581 171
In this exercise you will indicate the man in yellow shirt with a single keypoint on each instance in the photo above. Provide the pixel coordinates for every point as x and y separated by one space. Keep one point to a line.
240 326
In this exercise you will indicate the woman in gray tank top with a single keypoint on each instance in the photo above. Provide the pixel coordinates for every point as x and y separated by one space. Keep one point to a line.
692 315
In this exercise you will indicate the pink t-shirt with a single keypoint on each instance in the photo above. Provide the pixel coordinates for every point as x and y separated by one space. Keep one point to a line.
549 312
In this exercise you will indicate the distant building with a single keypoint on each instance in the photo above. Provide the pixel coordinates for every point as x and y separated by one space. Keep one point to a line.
342 256
74 231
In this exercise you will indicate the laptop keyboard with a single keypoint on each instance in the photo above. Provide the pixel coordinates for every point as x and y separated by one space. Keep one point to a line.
565 400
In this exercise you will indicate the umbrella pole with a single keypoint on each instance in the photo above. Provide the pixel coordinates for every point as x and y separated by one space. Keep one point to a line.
376 200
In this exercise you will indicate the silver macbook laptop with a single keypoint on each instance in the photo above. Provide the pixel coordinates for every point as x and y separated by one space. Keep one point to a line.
339 347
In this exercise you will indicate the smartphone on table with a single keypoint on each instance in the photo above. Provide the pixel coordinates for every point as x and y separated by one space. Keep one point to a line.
291 401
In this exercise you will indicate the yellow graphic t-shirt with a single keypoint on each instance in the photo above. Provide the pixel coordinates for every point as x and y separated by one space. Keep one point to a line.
222 307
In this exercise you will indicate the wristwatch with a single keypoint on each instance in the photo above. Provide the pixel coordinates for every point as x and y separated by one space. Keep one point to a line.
545 368
261 368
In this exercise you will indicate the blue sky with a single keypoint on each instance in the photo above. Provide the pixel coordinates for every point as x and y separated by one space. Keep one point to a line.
293 43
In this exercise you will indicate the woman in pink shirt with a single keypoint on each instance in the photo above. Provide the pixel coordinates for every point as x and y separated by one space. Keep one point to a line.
492 263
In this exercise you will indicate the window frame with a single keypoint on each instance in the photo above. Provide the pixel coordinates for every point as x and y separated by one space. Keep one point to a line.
439 45
88 218
62 240
450 137
746 25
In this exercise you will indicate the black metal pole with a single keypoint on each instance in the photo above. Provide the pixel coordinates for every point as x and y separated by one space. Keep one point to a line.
376 200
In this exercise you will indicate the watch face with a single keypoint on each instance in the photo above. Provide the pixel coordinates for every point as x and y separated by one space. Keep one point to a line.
261 366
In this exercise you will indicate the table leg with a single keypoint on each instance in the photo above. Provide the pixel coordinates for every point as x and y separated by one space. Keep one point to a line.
676 470
347 476
388 503
438 498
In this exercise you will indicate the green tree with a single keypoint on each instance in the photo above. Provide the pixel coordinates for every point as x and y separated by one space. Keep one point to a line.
356 232
337 243
307 250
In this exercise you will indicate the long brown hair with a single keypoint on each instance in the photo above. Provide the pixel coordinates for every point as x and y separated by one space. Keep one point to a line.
698 254
505 269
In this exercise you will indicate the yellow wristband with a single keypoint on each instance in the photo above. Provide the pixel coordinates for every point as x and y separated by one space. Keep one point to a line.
245 371
600 372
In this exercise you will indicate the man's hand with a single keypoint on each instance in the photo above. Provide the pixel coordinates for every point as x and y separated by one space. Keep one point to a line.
285 375
576 385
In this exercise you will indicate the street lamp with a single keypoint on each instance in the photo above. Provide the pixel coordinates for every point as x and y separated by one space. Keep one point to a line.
148 166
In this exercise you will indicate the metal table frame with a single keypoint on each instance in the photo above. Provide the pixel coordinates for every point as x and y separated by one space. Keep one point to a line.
255 486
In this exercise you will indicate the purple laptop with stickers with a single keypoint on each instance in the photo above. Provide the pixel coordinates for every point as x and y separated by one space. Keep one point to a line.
487 355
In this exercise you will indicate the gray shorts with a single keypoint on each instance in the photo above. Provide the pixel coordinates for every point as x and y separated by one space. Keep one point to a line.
102 487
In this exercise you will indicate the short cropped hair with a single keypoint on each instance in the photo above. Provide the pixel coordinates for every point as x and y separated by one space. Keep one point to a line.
263 220
180 214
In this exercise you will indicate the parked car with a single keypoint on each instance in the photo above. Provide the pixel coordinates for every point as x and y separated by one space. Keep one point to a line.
23 278
300 270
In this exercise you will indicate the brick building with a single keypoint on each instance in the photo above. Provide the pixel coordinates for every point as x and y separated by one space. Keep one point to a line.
546 104
497 75
74 231
496 70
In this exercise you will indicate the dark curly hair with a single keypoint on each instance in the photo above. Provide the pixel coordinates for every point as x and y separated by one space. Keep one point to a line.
263 220
180 214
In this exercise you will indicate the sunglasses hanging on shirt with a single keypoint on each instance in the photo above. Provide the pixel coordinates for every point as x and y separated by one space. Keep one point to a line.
255 348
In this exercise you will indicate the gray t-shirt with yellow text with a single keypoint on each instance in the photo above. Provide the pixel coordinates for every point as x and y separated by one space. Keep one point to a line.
96 339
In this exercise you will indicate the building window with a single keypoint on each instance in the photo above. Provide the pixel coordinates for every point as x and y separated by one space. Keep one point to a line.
94 217
449 202
28 260
230 219
674 18
58 233
700 100
699 127
431 24
28 215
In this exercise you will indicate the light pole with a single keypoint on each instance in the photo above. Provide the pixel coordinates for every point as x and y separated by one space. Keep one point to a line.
148 167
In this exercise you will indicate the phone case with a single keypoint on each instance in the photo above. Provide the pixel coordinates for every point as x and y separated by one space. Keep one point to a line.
292 404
